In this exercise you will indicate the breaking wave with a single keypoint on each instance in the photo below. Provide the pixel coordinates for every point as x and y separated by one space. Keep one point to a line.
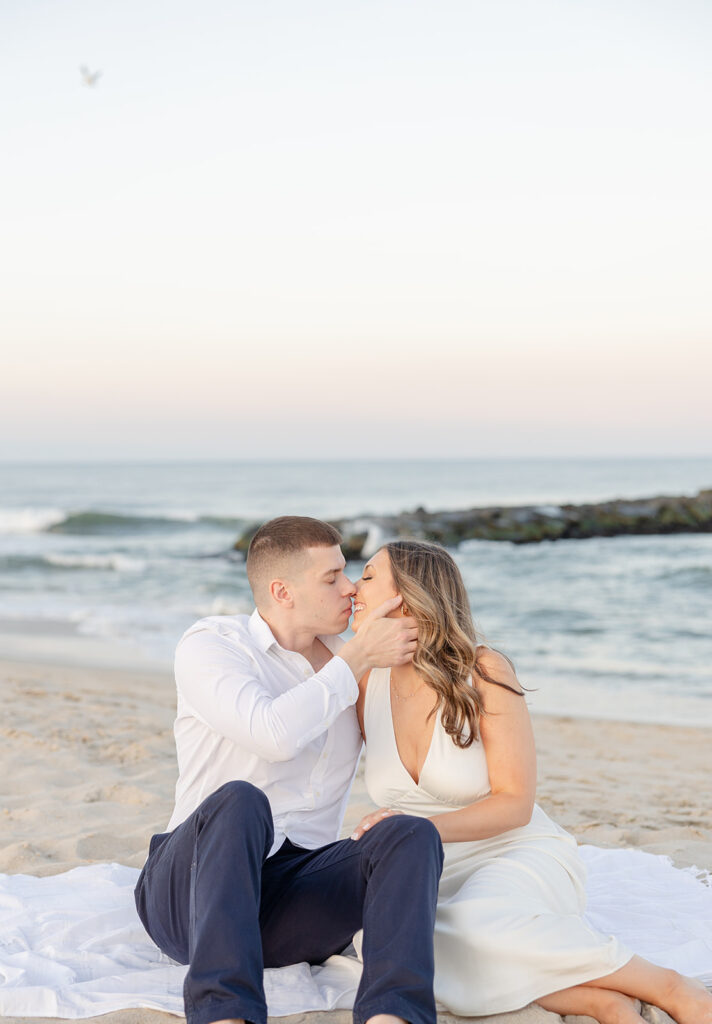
92 522
115 562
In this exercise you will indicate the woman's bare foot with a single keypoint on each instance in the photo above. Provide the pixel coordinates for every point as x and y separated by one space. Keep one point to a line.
604 1005
689 1002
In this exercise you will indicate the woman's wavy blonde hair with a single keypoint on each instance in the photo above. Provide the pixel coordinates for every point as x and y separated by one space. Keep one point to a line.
446 656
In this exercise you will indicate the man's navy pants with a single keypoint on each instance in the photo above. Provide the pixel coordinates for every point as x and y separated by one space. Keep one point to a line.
209 897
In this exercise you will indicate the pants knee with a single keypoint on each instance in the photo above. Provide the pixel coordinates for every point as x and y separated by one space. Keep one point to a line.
405 832
423 834
238 800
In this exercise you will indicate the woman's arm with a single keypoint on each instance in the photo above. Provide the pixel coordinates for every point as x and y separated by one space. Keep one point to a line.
508 741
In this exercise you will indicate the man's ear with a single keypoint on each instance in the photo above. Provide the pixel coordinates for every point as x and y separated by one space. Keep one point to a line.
281 594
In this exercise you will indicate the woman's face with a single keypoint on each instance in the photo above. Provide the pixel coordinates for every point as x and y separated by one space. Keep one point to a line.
375 586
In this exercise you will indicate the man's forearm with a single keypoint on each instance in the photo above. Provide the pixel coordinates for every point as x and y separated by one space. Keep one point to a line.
356 657
226 693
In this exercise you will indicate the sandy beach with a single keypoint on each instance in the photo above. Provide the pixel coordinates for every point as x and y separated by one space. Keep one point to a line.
87 770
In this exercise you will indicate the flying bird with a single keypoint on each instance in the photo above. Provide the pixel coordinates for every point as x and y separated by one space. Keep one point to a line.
89 78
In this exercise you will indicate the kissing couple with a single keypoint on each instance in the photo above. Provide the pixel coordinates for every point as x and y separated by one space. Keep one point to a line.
458 889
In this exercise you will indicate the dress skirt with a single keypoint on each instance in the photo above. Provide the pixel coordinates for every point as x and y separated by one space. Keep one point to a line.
509 927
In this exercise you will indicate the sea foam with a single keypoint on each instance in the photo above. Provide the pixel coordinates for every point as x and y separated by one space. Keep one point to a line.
29 520
116 562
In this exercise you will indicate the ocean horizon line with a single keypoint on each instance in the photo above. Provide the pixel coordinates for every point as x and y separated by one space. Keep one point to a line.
343 460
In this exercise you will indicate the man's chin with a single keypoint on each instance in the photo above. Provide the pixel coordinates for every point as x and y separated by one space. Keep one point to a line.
338 626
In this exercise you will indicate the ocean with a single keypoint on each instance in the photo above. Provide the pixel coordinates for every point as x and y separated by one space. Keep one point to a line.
112 561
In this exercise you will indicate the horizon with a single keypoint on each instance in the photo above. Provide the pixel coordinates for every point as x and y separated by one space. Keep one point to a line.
347 460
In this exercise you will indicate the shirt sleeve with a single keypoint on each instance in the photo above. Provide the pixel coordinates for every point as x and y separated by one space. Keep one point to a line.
220 683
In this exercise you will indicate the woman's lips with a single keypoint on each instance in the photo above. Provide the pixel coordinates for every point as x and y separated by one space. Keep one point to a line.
358 607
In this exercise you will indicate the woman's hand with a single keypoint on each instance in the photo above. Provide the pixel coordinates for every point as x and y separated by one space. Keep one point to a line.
372 819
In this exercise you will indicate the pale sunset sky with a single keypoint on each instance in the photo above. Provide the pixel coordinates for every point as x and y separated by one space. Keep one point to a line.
323 229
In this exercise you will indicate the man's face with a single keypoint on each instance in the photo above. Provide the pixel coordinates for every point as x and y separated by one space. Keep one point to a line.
322 593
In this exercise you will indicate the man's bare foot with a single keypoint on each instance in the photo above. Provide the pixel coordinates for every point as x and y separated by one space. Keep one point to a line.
385 1018
230 1020
689 1001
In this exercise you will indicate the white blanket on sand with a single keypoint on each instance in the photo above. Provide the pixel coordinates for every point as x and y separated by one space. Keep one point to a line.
71 945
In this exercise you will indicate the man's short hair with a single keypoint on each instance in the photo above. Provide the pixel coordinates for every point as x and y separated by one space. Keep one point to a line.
279 540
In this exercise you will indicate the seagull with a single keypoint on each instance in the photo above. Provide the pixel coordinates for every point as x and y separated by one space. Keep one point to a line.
89 78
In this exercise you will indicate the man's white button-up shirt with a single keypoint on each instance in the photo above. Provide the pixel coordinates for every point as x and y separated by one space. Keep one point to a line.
249 709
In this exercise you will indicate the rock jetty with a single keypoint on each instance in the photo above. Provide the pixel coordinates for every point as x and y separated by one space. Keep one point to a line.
524 524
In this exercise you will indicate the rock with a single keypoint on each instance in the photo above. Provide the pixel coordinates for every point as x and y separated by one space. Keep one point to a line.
526 524
352 546
243 541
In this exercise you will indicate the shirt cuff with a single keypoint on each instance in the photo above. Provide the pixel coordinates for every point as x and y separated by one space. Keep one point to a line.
342 680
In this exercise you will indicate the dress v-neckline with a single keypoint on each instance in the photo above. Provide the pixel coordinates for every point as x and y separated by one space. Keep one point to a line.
395 740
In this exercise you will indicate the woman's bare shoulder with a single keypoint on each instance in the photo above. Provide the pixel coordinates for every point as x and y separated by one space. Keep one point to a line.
495 672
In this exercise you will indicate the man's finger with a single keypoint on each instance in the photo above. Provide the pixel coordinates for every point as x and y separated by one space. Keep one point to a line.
409 645
404 659
387 607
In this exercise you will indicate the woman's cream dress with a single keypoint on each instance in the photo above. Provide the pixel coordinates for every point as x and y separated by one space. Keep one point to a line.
509 926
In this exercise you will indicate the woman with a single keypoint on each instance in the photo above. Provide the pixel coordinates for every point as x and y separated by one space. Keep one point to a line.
449 738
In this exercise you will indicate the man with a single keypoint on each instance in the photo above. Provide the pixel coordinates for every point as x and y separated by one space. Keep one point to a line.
249 874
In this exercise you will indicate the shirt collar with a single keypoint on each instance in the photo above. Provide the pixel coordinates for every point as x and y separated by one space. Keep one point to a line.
261 632
265 638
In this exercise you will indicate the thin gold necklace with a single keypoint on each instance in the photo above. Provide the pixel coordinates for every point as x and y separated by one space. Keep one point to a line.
406 696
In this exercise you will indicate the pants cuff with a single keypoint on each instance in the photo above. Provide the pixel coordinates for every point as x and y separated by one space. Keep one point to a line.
223 1009
398 1007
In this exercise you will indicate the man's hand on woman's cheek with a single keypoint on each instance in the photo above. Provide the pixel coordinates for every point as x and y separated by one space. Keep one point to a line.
382 642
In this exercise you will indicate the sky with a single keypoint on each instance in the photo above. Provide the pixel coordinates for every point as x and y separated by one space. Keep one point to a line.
330 229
